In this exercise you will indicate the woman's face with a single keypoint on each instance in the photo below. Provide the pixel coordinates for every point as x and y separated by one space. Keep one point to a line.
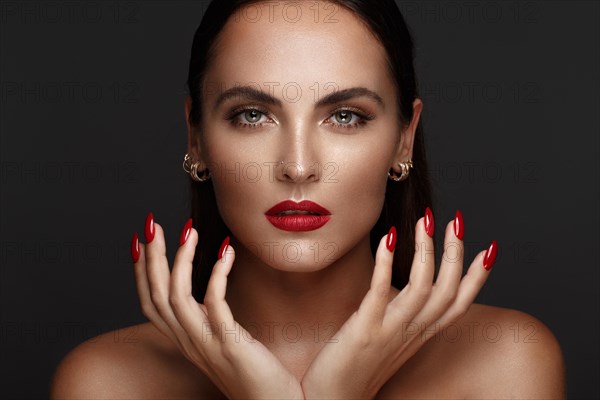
336 151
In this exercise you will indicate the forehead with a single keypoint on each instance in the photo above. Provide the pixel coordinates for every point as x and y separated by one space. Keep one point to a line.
311 42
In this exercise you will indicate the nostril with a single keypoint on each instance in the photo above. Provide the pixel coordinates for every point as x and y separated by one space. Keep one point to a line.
292 171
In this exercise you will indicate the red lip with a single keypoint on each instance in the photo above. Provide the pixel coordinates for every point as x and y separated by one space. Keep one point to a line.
304 205
298 222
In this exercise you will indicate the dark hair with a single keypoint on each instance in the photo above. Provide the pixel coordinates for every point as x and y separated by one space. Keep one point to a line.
405 202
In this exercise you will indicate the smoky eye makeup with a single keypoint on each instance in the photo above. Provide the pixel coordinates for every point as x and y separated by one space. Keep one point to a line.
340 117
250 116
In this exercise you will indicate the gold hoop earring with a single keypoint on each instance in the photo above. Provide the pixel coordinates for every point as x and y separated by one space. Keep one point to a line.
192 169
405 166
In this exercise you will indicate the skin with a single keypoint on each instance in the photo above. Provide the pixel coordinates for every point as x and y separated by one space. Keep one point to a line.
327 292
343 295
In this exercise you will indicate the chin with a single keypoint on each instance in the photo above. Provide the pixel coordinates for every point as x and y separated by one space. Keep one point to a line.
304 256
307 255
300 266
309 251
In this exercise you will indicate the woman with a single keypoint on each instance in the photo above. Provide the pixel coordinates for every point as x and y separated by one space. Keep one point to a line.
307 268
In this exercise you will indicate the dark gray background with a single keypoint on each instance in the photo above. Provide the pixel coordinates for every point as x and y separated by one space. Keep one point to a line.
93 137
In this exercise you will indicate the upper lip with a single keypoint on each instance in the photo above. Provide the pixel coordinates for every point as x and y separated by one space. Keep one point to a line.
304 205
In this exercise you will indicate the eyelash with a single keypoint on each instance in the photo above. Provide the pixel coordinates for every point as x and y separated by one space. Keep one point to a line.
233 114
365 117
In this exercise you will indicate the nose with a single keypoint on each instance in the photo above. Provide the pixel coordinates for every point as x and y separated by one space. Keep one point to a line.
292 171
298 161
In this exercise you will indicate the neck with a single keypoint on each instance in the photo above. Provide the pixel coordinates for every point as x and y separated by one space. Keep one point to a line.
297 306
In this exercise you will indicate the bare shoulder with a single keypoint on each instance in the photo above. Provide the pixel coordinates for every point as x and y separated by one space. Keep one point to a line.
491 352
518 354
133 362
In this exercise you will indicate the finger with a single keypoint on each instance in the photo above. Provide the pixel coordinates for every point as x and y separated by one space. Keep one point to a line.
445 290
159 276
469 287
420 281
376 300
214 299
451 267
143 290
185 307
181 274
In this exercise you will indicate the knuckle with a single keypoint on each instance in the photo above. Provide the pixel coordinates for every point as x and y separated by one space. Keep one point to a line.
175 302
382 290
228 351
198 360
147 310
448 300
363 341
209 301
418 300
422 292
214 357
364 338
447 297
158 297
461 310
456 311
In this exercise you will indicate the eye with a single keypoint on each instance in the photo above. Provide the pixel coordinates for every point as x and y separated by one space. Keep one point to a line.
248 117
349 117
343 117
252 116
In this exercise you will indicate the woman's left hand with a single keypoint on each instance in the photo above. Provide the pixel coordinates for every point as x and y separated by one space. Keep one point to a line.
240 366
382 335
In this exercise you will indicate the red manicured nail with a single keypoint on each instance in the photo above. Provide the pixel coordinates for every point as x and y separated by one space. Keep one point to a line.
185 232
135 248
429 222
391 239
459 225
490 256
149 228
223 247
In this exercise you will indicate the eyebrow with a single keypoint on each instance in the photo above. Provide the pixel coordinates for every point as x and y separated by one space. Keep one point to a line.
252 93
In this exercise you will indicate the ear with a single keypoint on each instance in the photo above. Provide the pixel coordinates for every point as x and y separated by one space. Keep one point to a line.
194 148
405 147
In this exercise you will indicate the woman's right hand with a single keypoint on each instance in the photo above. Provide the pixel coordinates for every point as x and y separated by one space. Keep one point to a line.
387 329
206 334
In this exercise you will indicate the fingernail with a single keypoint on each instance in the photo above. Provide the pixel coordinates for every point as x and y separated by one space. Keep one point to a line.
391 239
149 228
429 222
185 232
459 225
490 256
223 247
135 248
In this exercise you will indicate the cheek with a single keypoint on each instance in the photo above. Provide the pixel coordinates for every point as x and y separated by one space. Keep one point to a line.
240 185
362 188
238 202
363 178
244 187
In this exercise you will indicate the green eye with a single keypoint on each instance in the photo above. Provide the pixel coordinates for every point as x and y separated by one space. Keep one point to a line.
248 117
252 116
349 117
343 117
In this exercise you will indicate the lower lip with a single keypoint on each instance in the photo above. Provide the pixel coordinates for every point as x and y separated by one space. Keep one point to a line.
298 222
